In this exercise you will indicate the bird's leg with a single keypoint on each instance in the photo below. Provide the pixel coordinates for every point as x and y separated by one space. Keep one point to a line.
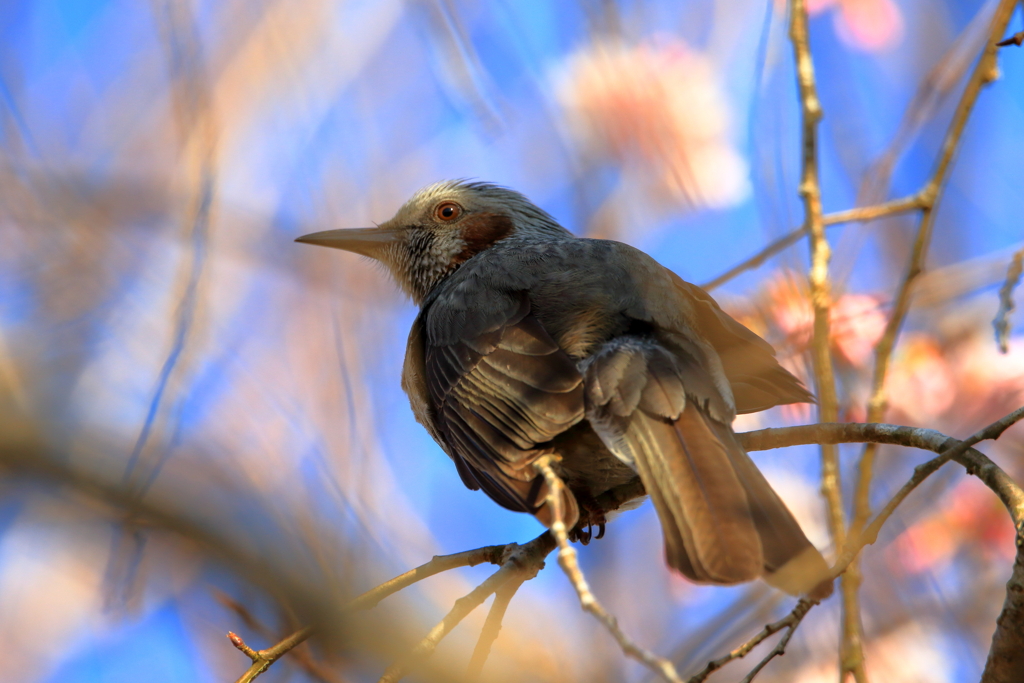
590 516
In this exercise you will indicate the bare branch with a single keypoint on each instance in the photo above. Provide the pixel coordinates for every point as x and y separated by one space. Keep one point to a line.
1006 306
588 601
1016 39
262 659
440 563
851 657
790 622
985 71
861 214
757 259
492 626
520 560
975 462
870 213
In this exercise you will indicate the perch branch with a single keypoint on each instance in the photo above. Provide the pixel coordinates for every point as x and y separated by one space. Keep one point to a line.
588 601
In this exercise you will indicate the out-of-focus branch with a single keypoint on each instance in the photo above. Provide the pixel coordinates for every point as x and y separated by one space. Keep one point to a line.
302 656
985 71
262 659
518 564
869 213
519 561
790 622
1002 319
492 625
588 601
851 655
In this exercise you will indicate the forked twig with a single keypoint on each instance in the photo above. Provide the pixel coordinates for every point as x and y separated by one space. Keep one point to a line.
588 601
492 626
790 622
520 560
439 563
262 659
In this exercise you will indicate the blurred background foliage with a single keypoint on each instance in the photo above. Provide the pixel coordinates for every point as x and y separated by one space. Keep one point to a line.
201 426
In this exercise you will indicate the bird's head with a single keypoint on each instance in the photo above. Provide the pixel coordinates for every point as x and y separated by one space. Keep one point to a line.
440 228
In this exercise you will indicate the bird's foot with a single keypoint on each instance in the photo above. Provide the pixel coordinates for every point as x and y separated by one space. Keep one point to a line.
584 529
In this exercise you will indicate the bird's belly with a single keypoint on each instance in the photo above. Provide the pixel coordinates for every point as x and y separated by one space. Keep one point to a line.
587 466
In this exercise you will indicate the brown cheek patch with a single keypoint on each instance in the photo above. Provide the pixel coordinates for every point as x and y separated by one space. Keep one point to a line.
480 232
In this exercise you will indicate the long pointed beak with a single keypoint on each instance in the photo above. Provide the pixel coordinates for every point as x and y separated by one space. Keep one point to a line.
366 241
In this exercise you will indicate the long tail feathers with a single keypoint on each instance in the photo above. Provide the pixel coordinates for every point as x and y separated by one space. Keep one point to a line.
721 519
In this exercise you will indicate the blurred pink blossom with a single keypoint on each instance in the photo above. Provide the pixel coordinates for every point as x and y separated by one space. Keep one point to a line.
658 108
870 25
857 324
970 516
920 384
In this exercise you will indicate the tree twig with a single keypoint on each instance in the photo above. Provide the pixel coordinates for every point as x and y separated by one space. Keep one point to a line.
1016 39
790 622
858 215
525 559
262 659
851 657
492 625
588 601
975 462
1006 306
439 563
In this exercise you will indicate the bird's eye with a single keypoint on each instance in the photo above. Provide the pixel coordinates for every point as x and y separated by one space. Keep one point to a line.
447 211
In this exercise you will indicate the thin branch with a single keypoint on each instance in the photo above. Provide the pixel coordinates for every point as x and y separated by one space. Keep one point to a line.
519 560
757 259
494 554
985 71
797 615
869 213
492 626
852 657
588 601
858 215
790 622
975 462
439 563
1006 306
262 659
1016 39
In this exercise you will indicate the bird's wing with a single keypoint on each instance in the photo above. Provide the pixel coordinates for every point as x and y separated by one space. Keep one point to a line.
758 381
498 390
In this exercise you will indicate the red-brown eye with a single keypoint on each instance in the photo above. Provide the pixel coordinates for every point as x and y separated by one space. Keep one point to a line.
447 211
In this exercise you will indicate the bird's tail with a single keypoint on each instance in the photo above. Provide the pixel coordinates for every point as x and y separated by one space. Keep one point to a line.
722 521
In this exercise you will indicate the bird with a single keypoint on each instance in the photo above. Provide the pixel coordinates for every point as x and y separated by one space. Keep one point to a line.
532 342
